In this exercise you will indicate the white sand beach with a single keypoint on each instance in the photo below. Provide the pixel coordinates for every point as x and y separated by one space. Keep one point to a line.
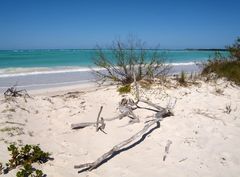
203 132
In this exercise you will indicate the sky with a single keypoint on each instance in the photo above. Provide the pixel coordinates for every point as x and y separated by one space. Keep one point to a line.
171 24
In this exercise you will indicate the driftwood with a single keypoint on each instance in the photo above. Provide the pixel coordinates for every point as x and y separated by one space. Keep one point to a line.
82 125
126 108
86 124
102 125
97 123
93 165
159 116
127 112
151 104
13 92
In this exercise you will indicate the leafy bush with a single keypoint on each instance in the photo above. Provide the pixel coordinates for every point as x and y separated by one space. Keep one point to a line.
127 59
124 89
26 156
28 170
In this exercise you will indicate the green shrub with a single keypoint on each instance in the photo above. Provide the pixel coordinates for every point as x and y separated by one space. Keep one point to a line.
26 156
229 69
124 89
28 170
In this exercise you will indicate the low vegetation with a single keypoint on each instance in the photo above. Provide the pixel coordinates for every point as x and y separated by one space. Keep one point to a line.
12 131
124 89
25 156
182 79
28 170
225 67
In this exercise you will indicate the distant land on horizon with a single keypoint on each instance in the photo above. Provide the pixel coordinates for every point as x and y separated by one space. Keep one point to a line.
191 49
211 49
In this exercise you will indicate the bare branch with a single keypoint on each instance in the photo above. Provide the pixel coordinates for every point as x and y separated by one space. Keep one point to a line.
93 165
97 123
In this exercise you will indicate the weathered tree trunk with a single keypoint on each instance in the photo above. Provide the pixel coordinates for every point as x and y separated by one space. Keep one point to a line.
93 165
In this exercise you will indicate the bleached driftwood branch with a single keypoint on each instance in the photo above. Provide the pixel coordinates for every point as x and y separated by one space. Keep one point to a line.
93 165
13 92
97 123
126 108
127 112
86 124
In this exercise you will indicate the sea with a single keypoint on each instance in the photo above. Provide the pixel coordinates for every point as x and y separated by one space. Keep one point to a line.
31 61
40 68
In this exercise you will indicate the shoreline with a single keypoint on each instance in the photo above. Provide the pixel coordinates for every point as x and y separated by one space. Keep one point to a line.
63 79
23 71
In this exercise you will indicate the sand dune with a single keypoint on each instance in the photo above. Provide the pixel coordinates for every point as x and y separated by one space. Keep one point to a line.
203 131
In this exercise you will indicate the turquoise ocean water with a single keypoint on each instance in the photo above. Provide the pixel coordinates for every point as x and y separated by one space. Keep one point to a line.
17 61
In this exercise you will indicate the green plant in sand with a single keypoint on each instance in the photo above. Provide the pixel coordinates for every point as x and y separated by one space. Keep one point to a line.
225 67
25 156
28 170
124 89
182 79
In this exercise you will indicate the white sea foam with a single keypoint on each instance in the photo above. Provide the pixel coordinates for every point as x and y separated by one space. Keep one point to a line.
37 71
183 64
13 72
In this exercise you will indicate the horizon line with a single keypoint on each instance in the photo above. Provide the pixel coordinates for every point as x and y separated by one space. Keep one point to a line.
206 49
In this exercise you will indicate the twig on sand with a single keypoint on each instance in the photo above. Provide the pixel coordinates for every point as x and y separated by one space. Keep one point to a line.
17 123
182 160
201 112
24 109
169 142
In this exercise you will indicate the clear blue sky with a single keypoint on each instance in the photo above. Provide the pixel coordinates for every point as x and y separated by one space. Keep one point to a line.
31 24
